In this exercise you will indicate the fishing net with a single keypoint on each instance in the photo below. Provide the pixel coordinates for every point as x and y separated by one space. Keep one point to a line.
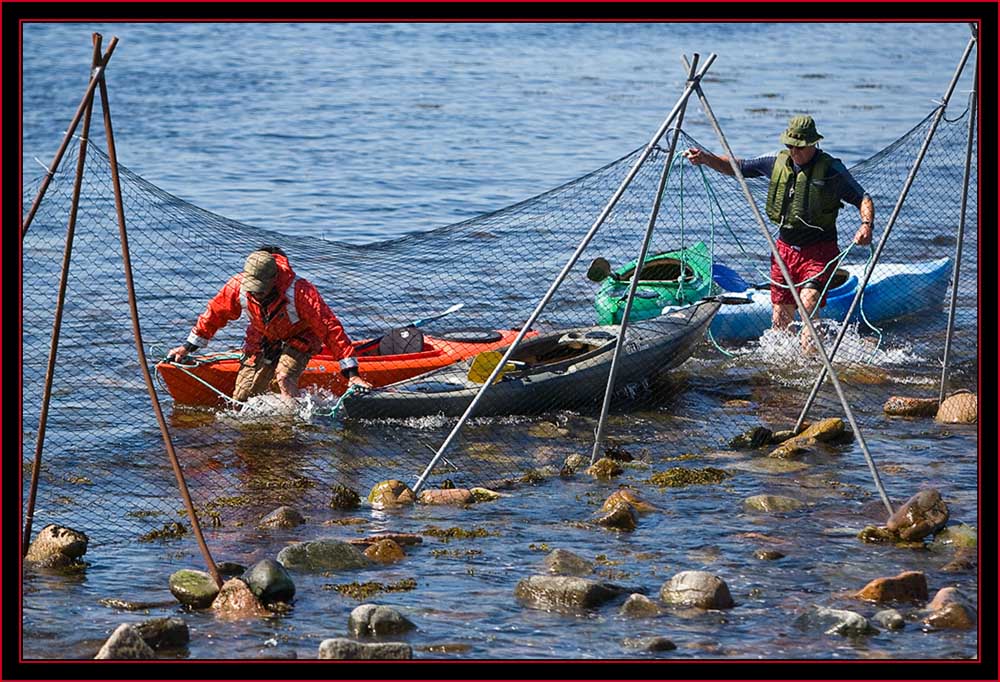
104 468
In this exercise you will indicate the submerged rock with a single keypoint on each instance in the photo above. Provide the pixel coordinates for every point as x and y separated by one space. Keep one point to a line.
385 551
770 503
619 517
391 493
697 588
230 569
648 644
269 581
629 497
835 622
196 589
125 643
322 555
344 498
958 408
907 586
923 514
57 547
236 601
340 648
563 593
282 517
901 406
890 619
768 555
377 620
164 633
677 477
564 562
753 438
639 606
605 468
961 536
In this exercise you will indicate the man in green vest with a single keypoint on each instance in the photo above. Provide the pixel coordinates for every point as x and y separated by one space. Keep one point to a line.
808 188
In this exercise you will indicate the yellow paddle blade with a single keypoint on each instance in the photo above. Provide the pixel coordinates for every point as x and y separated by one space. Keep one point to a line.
484 364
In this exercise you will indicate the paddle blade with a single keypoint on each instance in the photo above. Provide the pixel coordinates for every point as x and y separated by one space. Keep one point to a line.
484 364
599 270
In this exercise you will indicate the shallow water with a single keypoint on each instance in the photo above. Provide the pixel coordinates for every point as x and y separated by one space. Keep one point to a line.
366 132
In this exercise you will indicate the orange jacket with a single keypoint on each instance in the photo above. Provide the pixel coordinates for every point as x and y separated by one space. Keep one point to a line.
298 315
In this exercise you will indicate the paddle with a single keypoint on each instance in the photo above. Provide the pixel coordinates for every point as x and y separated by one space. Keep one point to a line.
415 323
484 364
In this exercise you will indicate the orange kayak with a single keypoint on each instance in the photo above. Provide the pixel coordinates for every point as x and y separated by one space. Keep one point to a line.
185 382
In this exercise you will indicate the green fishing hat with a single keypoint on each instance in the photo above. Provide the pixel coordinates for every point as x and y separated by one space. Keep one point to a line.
801 132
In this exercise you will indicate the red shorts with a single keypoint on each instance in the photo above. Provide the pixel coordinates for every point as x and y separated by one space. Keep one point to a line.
803 262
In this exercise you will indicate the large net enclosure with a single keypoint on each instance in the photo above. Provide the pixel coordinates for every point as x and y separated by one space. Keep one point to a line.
698 367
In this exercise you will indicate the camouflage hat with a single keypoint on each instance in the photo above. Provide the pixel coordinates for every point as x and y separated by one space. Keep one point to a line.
259 272
801 132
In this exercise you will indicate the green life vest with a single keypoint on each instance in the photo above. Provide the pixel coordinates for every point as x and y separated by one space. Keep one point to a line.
804 196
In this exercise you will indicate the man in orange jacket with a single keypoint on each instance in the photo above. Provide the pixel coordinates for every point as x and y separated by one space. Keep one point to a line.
289 323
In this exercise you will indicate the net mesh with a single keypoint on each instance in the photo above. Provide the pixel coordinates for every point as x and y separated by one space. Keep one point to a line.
104 467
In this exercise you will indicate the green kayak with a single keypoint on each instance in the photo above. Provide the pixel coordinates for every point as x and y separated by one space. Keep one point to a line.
668 278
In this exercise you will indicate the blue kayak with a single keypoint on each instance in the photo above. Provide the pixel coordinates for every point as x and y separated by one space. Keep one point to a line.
895 290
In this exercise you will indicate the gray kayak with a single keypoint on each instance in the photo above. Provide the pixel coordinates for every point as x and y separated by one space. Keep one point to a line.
555 370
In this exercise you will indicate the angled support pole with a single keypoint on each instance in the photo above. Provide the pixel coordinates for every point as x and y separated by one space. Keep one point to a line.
564 273
973 101
888 228
640 261
43 416
97 73
137 333
795 294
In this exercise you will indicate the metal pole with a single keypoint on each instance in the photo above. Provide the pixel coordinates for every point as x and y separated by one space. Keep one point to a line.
613 373
973 101
43 416
97 74
565 271
795 294
888 229
137 332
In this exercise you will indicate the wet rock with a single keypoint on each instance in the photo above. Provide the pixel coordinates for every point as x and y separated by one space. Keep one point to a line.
377 620
907 586
196 589
779 437
958 408
57 546
835 622
629 497
825 430
282 517
572 464
961 536
344 498
340 648
950 610
697 588
648 644
877 534
564 562
605 468
452 496
484 495
768 555
618 453
770 465
620 517
322 555
959 564
923 514
753 438
125 643
236 601
404 539
901 406
793 448
563 593
164 633
391 493
890 619
678 477
230 569
270 582
771 503
639 606
385 552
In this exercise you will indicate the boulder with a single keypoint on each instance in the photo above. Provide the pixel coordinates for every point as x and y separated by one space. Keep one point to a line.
575 462
907 586
484 495
835 622
347 649
564 562
236 601
450 496
958 408
125 643
753 438
923 514
563 593
391 493
629 497
771 503
959 564
322 555
639 606
605 468
901 406
344 498
377 620
385 552
950 610
890 619
825 430
282 517
164 633
269 581
648 644
196 589
620 517
961 536
697 588
57 546
793 447
768 555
